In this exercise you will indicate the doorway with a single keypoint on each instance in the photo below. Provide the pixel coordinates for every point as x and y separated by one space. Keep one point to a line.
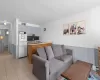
4 40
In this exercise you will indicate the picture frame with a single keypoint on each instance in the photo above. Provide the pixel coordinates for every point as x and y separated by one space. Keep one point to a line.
75 28
81 27
66 29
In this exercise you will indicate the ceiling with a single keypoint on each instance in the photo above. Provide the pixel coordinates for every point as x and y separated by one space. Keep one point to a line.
41 11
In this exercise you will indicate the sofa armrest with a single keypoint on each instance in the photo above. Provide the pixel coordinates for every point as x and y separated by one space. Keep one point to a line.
40 68
40 60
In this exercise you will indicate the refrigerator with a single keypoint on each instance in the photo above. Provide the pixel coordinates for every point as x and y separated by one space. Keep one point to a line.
22 44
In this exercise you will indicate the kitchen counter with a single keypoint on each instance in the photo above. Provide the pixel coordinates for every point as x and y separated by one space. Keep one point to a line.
33 42
37 43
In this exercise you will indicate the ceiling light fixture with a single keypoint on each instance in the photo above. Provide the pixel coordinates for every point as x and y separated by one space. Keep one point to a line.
5 23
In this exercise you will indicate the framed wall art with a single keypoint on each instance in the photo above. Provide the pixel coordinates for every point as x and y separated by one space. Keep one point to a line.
75 28
81 27
66 29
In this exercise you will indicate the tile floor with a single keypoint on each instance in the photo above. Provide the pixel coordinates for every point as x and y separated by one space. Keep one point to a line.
15 69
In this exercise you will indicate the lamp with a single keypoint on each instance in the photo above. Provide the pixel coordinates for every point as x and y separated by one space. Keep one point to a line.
1 37
5 23
7 32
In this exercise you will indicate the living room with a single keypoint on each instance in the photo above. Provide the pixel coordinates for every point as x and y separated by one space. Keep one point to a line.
58 26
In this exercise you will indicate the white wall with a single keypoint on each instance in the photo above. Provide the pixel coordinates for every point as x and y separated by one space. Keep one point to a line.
91 39
95 26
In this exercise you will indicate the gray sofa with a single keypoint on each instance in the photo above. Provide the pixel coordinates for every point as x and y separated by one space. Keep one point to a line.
51 62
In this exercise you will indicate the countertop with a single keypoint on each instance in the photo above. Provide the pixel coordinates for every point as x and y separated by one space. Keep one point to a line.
38 43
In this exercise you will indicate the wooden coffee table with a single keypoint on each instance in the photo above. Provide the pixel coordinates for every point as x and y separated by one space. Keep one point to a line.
78 71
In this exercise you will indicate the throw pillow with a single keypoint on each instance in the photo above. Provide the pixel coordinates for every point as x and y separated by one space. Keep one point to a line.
49 52
64 58
42 53
57 49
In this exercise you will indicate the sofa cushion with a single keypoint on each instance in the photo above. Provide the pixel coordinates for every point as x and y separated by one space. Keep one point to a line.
66 58
49 52
55 65
57 49
42 53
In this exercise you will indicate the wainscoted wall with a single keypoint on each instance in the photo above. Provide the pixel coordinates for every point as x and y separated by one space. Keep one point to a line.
1 47
13 50
84 54
96 56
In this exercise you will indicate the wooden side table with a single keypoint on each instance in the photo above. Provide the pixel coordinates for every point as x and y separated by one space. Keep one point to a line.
32 49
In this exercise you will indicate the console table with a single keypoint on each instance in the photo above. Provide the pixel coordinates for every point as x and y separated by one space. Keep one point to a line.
32 49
